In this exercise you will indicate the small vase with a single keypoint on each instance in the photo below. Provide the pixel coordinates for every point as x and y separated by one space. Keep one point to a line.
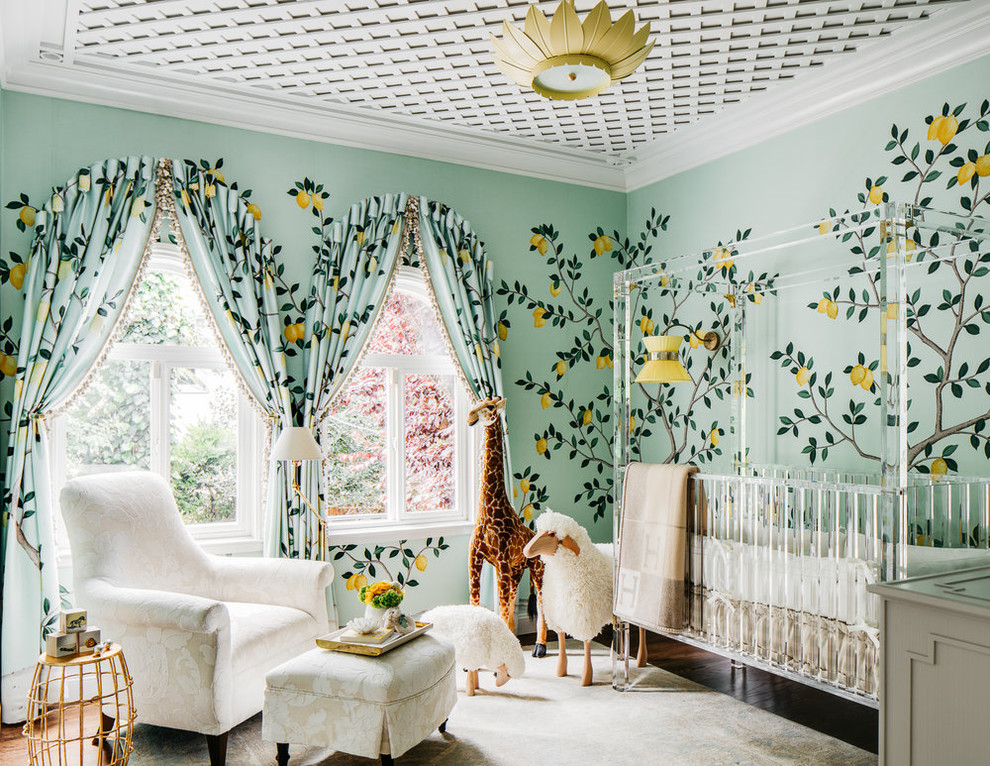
373 613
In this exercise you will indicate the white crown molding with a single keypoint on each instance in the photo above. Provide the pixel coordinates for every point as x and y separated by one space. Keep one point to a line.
327 123
954 36
949 39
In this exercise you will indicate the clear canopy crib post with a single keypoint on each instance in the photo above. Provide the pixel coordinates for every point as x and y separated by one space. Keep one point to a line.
893 387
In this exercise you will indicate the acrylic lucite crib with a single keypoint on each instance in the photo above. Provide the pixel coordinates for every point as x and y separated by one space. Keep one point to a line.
782 545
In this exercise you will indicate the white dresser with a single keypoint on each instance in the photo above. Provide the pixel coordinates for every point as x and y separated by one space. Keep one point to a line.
935 670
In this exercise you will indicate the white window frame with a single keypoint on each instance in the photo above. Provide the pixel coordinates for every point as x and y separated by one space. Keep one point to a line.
242 536
395 522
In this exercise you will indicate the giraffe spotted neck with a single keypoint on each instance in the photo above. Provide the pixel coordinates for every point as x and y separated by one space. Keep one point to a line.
493 495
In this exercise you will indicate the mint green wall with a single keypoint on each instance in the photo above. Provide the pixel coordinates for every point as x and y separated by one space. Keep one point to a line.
795 179
44 142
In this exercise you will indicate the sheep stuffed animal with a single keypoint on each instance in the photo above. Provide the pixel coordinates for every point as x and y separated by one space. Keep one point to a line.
577 583
481 640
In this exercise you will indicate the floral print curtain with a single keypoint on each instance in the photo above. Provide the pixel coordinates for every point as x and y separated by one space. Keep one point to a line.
460 275
351 279
236 271
89 240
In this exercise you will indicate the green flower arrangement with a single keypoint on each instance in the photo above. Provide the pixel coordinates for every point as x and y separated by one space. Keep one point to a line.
382 595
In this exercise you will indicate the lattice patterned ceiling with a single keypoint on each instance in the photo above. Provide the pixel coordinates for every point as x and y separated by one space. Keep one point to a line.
432 59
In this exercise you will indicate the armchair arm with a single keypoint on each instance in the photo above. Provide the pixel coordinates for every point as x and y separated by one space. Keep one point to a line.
141 607
283 582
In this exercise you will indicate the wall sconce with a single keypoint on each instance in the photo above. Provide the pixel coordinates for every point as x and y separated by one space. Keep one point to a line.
662 364
294 445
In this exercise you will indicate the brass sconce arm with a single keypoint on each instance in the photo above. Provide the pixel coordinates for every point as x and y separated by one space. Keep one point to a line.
709 339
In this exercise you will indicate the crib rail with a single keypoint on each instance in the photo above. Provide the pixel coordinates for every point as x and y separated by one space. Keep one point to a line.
780 559
779 566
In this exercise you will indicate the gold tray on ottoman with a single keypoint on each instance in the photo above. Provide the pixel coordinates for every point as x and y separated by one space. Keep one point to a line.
333 642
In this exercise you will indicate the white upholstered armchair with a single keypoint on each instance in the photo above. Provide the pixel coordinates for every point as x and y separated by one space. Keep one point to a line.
199 632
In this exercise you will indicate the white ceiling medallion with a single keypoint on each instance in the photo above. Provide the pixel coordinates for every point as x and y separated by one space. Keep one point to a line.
566 59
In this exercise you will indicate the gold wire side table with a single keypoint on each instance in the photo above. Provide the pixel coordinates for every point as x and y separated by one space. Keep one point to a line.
80 711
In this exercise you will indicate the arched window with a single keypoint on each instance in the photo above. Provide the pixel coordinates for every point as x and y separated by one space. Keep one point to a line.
165 401
398 451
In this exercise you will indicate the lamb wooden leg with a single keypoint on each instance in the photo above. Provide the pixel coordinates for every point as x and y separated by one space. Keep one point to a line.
501 675
562 654
471 683
586 675
642 653
282 754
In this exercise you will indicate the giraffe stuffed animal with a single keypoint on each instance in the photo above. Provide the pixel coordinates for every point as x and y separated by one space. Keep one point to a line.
499 534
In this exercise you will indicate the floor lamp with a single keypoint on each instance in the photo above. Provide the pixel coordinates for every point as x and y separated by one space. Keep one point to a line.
294 445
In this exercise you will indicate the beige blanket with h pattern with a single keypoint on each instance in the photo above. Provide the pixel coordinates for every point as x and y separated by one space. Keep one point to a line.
653 536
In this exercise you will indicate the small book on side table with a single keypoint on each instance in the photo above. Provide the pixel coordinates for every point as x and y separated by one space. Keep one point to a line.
377 637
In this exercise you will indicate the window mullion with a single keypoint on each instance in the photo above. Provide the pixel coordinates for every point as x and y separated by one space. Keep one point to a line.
161 397
396 451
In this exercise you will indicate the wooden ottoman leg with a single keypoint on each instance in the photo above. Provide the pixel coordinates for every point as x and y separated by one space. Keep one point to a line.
443 726
387 760
282 753
217 745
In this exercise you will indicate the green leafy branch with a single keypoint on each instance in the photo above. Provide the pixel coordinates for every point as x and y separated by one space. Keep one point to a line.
960 307
370 562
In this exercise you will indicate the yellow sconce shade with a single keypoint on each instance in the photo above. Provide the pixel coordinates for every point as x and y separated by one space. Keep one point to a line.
662 364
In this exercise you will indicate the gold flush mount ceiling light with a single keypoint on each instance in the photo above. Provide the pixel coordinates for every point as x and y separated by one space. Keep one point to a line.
566 58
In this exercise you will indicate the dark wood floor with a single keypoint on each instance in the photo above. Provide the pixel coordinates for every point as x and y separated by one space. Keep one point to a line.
824 712
840 718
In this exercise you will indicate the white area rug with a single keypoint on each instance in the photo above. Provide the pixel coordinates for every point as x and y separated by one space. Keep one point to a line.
542 719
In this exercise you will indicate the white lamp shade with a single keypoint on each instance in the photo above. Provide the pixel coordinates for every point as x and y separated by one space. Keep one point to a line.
296 443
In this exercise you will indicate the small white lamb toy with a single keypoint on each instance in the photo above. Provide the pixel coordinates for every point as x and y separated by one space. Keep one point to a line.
394 618
481 640
577 583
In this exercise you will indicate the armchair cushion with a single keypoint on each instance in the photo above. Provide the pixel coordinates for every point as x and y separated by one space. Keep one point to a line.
259 632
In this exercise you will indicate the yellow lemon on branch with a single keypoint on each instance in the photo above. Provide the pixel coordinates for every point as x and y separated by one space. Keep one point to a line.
603 244
17 274
966 172
538 314
802 376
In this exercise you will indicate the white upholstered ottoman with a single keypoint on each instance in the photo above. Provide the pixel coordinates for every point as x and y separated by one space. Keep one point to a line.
367 706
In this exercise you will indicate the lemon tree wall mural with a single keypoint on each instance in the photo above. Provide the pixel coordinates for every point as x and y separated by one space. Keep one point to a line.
944 161
580 430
